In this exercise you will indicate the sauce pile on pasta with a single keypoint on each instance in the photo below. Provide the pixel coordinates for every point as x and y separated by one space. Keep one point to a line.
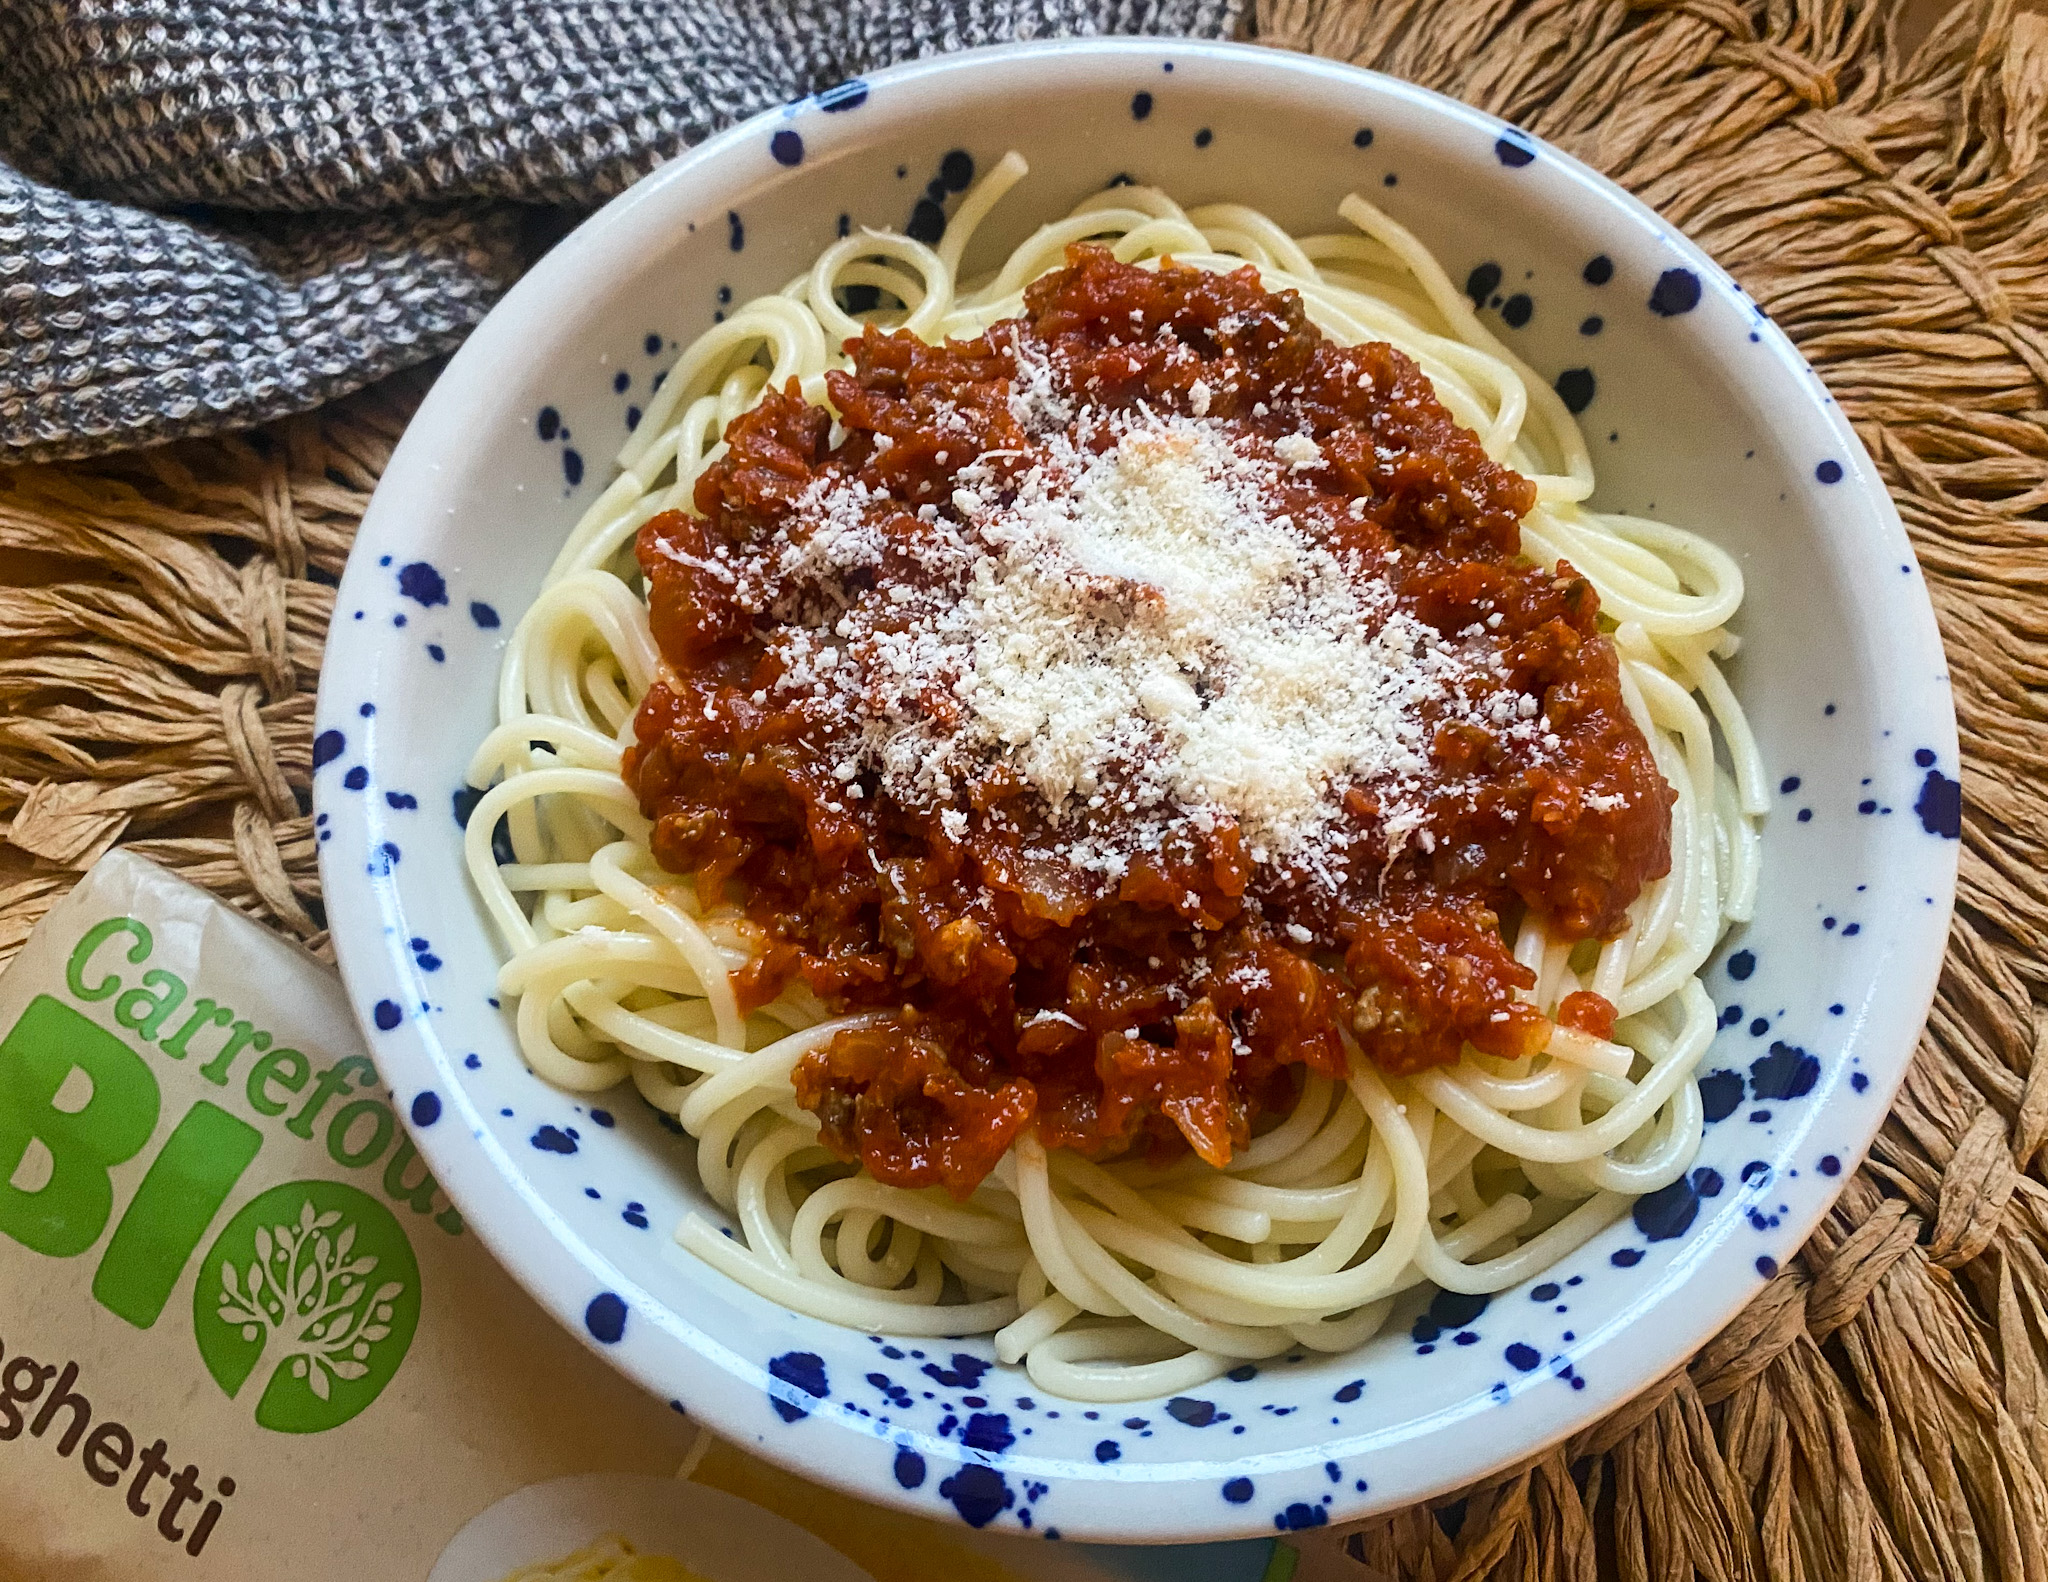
1119 830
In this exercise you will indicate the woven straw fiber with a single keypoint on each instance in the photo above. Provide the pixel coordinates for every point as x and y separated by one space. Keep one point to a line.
1881 1411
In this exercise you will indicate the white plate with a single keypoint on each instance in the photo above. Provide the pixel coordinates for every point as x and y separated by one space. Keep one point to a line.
720 1536
1705 414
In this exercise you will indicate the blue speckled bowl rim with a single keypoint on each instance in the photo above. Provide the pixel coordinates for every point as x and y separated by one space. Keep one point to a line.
668 1355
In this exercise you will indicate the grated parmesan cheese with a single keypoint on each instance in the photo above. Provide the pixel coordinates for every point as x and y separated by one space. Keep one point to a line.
1134 627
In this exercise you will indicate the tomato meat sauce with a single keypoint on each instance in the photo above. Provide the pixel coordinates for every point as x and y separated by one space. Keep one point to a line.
1173 1001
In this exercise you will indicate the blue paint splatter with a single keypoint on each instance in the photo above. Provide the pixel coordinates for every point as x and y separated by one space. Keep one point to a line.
964 1374
927 223
1141 105
387 1015
1108 1450
426 1108
1512 153
909 1469
605 1317
1829 472
1348 1393
1482 283
1940 805
1196 1414
1677 291
1576 387
800 1370
1523 1357
356 778
735 231
1456 1309
1787 1072
1299 1515
1667 1212
989 1432
553 1140
383 860
328 746
402 801
483 614
1741 965
979 1494
572 467
1238 1491
422 584
787 147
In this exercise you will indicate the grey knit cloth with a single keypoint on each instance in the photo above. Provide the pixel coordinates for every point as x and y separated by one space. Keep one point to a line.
214 212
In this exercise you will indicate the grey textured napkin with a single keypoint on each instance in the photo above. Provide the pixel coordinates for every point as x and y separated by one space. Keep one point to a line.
214 212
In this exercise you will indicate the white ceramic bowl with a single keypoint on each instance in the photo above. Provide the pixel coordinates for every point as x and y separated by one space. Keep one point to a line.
1700 411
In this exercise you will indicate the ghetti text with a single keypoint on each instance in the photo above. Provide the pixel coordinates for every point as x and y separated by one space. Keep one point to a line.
43 1400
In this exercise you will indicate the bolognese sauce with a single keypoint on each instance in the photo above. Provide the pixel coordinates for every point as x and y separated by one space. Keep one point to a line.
1129 704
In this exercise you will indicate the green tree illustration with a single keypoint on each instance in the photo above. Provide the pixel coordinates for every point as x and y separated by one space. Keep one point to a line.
306 1293
312 1286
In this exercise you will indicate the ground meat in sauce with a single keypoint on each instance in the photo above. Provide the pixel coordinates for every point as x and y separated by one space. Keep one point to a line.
1170 1006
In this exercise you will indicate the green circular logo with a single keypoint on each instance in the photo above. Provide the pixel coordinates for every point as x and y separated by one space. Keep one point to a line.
313 1286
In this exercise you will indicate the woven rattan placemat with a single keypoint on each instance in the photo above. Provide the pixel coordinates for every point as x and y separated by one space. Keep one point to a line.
1882 1409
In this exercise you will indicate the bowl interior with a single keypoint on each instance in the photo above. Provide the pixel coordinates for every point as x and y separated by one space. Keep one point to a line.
1696 411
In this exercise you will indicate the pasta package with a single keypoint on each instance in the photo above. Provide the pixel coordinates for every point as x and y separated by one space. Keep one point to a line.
242 1331
244 1334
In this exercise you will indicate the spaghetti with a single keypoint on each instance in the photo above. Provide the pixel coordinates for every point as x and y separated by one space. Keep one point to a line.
608 1559
1124 1249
